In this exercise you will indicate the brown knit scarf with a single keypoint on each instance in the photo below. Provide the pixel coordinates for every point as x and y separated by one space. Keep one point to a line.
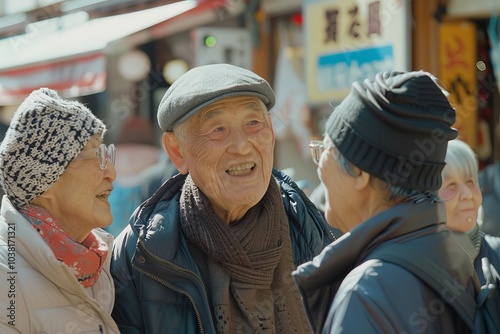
249 264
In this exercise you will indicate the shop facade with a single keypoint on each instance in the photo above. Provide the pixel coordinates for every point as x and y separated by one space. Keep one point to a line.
309 50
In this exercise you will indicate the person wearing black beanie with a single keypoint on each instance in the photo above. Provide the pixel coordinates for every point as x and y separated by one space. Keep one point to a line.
380 162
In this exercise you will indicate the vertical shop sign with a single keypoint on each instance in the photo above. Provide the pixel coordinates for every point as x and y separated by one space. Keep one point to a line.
352 40
457 73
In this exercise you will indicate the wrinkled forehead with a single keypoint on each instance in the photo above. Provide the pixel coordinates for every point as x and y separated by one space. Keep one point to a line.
231 103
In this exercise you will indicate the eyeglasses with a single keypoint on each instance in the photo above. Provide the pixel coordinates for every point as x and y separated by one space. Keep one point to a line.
317 148
104 154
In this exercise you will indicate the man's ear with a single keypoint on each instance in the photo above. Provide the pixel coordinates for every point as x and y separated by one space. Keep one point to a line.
362 180
174 151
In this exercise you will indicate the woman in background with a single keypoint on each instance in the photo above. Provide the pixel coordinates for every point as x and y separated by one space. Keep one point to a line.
460 191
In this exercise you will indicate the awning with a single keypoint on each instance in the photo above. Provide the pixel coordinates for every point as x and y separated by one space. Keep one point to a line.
73 61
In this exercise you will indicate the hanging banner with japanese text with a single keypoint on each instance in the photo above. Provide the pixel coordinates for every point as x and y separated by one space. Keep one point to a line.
457 73
352 40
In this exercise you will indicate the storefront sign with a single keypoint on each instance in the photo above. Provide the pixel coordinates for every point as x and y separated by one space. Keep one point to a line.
352 40
457 73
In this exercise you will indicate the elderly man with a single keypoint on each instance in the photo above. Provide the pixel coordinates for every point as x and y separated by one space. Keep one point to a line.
213 249
381 162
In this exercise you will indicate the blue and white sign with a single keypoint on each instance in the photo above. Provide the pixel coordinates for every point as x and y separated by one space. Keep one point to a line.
348 41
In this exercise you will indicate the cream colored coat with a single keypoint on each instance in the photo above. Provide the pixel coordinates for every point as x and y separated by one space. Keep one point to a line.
38 293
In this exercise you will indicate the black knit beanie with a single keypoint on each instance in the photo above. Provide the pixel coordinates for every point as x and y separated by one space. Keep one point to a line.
396 128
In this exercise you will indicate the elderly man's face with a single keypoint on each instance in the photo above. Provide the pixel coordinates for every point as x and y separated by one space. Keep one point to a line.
228 150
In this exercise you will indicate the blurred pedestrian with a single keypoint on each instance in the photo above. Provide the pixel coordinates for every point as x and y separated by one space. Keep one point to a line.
136 151
57 175
212 251
380 162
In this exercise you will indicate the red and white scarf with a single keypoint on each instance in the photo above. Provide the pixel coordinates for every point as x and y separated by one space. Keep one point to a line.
85 259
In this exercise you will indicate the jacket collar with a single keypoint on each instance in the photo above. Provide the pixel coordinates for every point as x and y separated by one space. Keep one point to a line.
343 255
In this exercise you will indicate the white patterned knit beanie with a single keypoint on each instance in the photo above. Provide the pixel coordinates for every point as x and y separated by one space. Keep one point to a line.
44 136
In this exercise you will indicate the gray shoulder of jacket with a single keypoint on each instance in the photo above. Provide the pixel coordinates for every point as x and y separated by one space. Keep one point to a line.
374 288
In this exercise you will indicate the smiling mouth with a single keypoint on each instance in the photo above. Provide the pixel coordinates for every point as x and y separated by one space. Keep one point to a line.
243 169
104 195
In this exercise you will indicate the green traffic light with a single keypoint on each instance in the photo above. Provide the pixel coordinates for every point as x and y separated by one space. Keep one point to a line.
210 41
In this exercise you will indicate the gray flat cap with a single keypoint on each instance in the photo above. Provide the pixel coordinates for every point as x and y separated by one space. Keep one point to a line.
204 85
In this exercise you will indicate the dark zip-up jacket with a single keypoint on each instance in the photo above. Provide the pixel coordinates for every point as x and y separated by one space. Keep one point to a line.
489 182
490 248
346 290
157 281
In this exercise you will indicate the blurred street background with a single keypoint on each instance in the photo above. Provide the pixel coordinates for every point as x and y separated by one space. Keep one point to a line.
120 56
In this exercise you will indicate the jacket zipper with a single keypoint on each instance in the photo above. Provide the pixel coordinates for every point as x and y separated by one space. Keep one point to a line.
168 285
159 280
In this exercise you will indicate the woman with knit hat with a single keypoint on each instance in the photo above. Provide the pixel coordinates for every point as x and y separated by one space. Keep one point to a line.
381 161
54 259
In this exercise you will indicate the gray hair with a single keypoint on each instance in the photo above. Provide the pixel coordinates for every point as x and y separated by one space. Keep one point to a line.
180 131
461 158
395 192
